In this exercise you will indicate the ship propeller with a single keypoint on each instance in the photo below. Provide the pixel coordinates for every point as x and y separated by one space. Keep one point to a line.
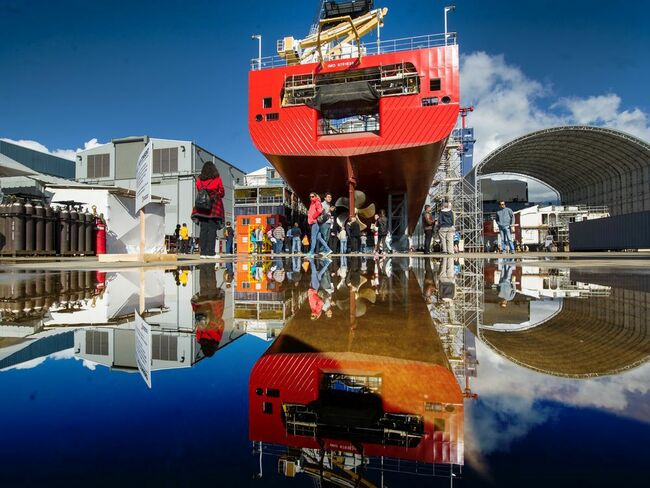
359 200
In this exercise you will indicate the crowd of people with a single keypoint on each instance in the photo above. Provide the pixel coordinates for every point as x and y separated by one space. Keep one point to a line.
325 231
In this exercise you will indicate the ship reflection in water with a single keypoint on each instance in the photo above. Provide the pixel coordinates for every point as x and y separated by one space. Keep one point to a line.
358 380
359 372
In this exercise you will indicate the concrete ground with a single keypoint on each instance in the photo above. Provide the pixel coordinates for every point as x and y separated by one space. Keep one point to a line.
541 259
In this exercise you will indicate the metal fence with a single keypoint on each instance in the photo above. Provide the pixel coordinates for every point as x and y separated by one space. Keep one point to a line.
371 49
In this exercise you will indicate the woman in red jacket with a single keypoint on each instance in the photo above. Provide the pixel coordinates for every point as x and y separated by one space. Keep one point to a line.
212 220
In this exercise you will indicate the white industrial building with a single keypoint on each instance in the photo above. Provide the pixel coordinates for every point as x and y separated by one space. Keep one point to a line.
548 226
176 164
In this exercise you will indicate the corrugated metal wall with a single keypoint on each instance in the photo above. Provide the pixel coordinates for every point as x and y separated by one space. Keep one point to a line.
629 231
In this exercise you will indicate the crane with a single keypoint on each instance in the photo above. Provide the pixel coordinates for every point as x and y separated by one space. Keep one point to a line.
333 32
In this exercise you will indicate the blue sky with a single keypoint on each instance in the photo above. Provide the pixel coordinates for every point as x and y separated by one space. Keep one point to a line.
74 70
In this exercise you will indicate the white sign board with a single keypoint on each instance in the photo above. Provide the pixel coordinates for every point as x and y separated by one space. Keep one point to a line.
143 348
143 171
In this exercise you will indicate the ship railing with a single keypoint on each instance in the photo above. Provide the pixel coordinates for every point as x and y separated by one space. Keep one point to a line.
371 49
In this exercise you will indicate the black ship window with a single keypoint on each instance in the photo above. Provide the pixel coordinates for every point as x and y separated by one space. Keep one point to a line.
273 116
388 81
434 84
267 408
354 8
267 102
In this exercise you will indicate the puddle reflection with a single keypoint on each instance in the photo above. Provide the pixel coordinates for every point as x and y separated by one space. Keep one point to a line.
370 366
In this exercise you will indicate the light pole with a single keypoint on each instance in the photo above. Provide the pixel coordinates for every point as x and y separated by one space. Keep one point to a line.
448 8
259 49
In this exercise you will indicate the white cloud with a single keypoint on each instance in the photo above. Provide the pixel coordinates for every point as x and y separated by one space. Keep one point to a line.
514 400
61 153
509 104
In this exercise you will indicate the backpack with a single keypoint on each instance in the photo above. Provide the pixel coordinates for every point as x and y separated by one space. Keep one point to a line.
203 201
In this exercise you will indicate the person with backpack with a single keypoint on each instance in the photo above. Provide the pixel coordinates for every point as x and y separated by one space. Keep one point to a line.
208 208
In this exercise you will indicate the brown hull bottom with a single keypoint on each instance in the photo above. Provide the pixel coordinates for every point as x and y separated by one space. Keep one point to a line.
410 171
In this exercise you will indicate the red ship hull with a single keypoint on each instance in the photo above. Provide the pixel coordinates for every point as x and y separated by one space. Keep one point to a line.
408 387
400 157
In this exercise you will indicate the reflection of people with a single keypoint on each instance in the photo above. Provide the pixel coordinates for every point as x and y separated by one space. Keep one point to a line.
507 292
183 276
315 301
447 280
208 305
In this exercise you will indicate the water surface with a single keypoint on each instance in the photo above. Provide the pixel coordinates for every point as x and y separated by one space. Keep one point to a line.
353 372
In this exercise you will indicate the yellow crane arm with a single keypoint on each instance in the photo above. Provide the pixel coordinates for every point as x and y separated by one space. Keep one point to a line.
345 30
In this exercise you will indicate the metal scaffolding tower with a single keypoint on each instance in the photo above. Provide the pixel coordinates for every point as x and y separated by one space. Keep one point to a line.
464 196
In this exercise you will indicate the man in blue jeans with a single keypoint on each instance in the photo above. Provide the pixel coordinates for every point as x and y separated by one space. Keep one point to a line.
295 235
505 219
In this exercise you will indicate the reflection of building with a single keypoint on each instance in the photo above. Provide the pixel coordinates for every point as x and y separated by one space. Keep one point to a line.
93 312
606 334
28 300
264 299
355 392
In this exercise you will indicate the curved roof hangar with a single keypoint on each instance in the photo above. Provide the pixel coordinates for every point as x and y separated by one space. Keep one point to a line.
586 165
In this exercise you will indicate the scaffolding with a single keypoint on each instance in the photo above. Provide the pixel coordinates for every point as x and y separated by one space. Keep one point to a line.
465 196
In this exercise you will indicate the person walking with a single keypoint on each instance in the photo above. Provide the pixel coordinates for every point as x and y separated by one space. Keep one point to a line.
229 234
315 211
427 225
295 235
505 220
278 235
209 213
343 240
326 219
446 229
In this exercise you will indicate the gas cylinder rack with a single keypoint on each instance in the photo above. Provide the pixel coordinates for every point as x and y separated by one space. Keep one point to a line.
30 226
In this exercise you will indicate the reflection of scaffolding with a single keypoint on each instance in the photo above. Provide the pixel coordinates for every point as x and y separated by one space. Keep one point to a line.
457 319
465 197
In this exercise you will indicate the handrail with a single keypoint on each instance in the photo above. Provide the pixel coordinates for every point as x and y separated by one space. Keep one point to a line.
371 49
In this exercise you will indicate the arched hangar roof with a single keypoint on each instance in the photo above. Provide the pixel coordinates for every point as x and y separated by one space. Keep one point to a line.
586 165
568 345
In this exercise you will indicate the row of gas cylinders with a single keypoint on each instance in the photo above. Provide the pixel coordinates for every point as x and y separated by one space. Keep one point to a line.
28 228
26 297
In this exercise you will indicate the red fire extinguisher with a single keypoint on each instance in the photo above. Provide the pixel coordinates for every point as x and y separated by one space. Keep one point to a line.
100 236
